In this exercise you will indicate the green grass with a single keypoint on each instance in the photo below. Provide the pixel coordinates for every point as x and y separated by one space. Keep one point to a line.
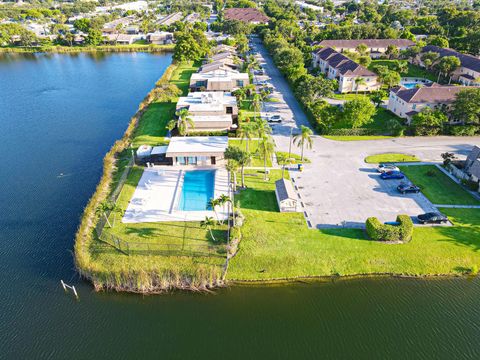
356 138
257 160
152 127
437 186
280 245
379 124
413 70
296 159
390 157
348 96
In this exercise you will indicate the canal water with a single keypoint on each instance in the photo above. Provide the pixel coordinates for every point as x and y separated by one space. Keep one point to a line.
59 114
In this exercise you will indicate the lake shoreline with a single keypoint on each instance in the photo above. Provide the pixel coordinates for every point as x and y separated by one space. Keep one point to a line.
89 49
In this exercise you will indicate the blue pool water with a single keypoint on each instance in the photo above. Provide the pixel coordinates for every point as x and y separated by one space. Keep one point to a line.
409 85
197 190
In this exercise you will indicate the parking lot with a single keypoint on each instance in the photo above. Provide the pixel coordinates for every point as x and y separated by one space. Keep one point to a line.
338 188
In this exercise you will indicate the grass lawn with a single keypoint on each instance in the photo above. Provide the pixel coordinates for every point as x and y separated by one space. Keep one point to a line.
390 157
413 70
296 159
356 138
438 187
152 127
180 247
349 96
379 124
280 245
257 161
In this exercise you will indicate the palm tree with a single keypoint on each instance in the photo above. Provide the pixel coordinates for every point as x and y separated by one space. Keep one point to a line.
232 167
256 104
265 149
262 128
213 203
246 131
223 200
243 160
304 138
208 223
359 81
184 121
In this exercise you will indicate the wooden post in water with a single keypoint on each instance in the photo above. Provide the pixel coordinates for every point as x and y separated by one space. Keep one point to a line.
71 287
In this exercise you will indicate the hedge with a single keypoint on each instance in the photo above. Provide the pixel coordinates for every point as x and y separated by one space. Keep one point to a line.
352 132
382 232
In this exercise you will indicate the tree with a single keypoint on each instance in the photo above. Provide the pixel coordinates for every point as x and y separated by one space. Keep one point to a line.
365 60
82 25
309 88
429 58
438 40
359 81
246 131
105 208
208 224
256 104
466 106
304 139
262 127
184 121
244 158
447 65
265 149
392 52
390 78
358 112
232 167
188 47
401 67
428 122
94 37
448 158
362 49
377 97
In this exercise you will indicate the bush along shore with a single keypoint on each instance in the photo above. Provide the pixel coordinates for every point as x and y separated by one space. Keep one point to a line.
152 276
76 49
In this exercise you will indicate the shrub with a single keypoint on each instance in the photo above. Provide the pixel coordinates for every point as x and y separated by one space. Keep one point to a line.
351 132
463 130
381 232
470 184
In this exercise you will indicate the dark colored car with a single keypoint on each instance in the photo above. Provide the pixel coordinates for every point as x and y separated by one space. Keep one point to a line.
408 188
432 218
392 175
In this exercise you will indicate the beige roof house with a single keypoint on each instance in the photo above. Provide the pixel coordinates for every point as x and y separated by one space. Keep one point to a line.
376 47
218 80
197 150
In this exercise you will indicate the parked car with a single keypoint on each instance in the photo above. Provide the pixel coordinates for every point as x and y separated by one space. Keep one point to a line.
259 72
390 175
274 118
432 218
408 188
387 167
262 82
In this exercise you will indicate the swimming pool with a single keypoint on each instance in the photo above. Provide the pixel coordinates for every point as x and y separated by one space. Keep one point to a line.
197 190
410 85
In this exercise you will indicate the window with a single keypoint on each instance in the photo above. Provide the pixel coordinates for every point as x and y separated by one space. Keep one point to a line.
182 160
239 82
192 160
200 83
229 110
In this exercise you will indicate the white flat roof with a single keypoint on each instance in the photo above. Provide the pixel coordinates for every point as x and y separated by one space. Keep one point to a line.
159 150
207 101
198 144
212 118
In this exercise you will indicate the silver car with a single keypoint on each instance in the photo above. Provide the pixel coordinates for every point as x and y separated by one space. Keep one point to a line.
387 167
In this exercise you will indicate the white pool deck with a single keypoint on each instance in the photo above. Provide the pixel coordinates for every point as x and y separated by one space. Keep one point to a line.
158 192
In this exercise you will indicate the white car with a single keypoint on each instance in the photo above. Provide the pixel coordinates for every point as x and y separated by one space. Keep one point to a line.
274 118
387 167
262 82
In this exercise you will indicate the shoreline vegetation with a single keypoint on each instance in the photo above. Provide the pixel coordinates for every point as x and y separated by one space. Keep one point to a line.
76 49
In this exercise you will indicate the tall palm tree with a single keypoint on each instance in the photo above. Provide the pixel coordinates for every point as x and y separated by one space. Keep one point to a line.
208 223
213 203
243 160
246 131
304 138
223 200
256 104
232 167
262 128
265 149
184 121
359 81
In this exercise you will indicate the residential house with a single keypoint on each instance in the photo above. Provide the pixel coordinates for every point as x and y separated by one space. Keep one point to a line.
219 65
375 47
218 80
469 71
350 75
407 102
170 19
160 38
249 15
122 39
224 48
210 111
197 150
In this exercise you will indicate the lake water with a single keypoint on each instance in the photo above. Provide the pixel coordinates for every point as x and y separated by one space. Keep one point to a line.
59 114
